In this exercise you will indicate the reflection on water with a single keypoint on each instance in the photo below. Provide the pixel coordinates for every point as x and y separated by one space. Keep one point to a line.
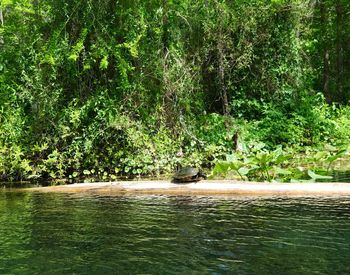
65 234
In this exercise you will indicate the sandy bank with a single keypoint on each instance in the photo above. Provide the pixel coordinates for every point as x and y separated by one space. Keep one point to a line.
208 187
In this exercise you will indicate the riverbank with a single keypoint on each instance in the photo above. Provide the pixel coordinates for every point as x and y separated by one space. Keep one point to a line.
208 187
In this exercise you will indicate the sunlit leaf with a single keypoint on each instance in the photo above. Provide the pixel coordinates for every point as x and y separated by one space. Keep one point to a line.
281 171
315 176
338 155
104 63
244 170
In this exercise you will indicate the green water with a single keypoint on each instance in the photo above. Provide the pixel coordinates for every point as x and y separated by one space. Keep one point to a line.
71 234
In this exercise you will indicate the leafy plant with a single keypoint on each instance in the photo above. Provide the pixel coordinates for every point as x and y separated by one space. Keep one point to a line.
278 165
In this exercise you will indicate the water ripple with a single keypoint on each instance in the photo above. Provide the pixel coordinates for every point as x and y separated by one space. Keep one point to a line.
59 234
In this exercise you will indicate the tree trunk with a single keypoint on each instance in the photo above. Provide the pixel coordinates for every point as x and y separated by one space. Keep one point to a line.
339 50
221 73
165 34
326 61
168 96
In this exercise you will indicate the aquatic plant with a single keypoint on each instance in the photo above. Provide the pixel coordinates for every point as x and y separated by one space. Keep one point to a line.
278 165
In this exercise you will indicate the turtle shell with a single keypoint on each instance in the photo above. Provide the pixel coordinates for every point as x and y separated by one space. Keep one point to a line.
187 174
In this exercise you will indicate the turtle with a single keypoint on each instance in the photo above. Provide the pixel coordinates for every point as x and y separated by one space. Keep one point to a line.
188 174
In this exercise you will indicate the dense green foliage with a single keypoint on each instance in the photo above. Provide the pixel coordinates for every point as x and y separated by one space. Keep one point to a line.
278 165
110 88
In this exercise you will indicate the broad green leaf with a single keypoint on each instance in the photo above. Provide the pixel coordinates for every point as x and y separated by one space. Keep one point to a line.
315 176
281 171
320 155
243 170
231 158
75 174
339 154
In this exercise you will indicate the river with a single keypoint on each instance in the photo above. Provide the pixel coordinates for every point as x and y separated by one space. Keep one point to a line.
51 233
